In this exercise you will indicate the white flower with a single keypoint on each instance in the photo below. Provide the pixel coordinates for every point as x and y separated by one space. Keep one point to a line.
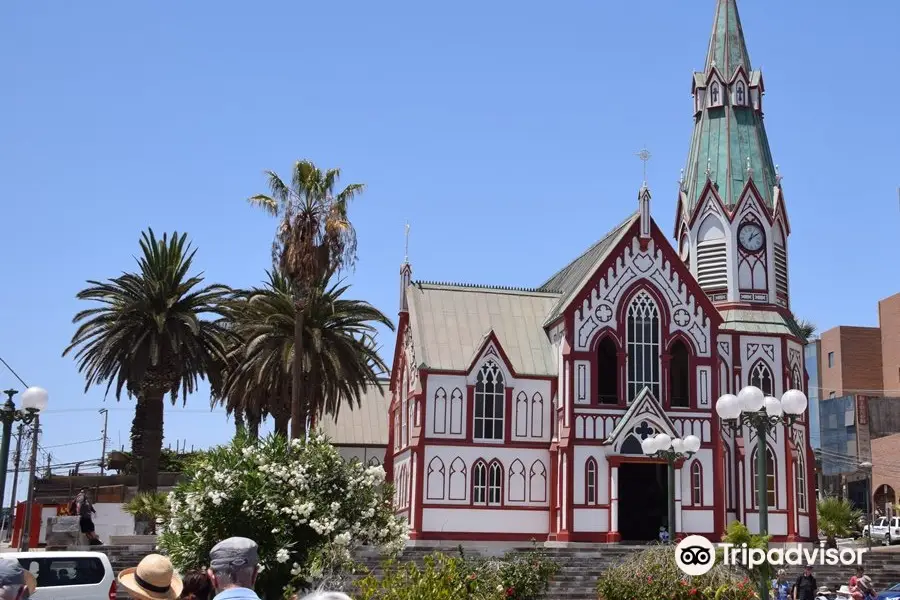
282 555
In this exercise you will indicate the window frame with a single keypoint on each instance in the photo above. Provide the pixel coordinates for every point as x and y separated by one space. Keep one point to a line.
696 483
649 351
496 398
591 473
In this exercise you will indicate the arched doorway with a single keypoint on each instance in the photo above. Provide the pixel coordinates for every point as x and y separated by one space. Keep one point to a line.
884 496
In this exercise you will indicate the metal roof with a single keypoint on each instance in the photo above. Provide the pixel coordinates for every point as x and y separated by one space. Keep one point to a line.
757 321
574 276
450 322
365 425
725 138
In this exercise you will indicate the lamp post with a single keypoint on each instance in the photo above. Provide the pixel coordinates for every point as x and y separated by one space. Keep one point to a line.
753 408
663 446
870 513
9 415
34 399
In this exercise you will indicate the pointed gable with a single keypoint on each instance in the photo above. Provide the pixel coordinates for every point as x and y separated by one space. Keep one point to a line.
644 414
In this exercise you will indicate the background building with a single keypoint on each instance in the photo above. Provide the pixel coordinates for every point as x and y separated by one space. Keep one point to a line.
858 374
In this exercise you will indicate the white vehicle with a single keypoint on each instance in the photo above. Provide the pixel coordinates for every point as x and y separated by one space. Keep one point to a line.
886 529
67 575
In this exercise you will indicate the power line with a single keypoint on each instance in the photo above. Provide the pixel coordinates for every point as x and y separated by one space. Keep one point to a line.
71 444
11 370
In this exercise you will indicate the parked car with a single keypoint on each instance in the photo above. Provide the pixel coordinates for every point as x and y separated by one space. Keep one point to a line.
886 530
892 593
69 575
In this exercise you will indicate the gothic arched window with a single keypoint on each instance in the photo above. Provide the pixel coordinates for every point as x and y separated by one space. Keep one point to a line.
489 403
696 484
590 484
761 377
771 478
679 376
714 93
740 93
796 378
800 479
607 372
495 483
642 331
479 483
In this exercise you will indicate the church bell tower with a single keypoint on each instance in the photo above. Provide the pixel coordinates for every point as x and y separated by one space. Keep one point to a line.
731 225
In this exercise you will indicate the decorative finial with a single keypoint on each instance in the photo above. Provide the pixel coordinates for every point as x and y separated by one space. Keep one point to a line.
778 175
681 179
709 168
406 249
644 155
749 168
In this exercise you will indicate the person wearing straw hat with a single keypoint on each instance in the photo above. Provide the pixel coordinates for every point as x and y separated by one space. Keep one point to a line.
16 583
233 567
153 579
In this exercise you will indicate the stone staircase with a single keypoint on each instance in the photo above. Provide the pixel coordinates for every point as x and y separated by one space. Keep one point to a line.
580 565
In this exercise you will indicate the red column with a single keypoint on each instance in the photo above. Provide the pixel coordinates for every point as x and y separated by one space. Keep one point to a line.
789 487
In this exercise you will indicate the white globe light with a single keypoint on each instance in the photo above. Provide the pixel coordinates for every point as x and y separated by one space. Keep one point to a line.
663 441
794 402
773 406
678 445
691 443
648 445
35 398
728 407
751 399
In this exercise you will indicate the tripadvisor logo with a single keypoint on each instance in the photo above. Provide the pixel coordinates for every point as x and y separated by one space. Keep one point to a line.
695 555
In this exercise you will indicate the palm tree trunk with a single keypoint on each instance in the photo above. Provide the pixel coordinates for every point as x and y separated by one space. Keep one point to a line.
298 418
253 426
151 448
281 410
138 426
240 425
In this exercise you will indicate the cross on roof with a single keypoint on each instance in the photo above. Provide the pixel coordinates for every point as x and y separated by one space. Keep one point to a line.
406 248
644 155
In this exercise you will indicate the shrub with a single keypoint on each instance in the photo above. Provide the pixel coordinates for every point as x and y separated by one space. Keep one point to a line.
653 575
153 506
303 505
514 577
738 535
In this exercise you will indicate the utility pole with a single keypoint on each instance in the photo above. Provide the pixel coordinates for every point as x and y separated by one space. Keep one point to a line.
15 482
105 414
32 467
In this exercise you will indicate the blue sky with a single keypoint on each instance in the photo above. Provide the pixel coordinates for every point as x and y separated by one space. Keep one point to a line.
504 132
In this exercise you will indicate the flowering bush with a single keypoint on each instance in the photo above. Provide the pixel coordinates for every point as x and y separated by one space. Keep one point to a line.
654 575
303 505
515 577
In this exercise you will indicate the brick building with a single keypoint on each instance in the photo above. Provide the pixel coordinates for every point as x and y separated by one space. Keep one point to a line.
859 407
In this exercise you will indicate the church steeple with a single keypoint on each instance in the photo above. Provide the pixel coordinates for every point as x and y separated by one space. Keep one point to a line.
731 225
729 147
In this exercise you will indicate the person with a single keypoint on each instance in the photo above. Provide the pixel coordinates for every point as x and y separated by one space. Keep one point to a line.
196 586
233 567
805 588
855 588
84 508
780 587
15 582
824 593
663 535
153 579
327 596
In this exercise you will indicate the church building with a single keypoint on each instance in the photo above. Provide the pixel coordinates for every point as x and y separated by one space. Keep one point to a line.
518 414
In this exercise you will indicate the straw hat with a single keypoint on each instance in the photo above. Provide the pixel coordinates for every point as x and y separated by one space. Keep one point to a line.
153 579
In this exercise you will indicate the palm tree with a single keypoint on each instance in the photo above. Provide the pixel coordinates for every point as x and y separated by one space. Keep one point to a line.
837 518
339 349
806 329
149 337
314 237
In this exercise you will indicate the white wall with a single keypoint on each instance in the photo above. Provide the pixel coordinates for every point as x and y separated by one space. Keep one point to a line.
591 520
445 407
697 521
485 521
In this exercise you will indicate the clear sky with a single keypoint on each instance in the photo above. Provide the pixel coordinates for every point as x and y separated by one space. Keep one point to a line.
504 132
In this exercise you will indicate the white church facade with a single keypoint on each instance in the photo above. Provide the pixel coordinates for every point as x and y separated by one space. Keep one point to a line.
518 414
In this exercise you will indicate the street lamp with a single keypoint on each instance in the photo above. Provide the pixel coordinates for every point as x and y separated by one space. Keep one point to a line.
31 406
753 408
663 446
34 400
867 466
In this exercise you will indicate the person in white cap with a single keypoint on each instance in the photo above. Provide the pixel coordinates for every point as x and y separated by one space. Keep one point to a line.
233 566
15 582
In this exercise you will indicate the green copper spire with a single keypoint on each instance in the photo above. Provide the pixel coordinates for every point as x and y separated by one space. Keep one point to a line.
729 146
727 49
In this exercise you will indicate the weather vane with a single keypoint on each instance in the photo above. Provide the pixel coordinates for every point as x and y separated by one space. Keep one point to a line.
644 155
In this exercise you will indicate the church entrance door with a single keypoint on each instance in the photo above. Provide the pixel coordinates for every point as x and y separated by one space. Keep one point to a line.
643 500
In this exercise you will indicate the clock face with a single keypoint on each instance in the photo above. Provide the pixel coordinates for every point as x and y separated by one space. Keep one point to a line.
751 237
